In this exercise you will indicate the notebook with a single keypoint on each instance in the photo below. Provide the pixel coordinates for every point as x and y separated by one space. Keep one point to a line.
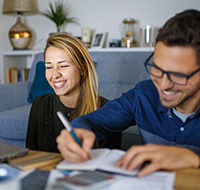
11 151
102 159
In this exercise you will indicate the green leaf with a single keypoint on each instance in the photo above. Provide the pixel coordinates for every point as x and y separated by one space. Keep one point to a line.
59 14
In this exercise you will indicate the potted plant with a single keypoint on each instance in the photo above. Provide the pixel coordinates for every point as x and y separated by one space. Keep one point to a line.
59 14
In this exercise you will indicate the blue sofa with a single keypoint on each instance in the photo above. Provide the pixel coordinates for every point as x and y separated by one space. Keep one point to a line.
117 72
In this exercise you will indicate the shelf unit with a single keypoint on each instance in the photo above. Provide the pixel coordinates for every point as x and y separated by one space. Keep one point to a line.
132 49
24 58
17 58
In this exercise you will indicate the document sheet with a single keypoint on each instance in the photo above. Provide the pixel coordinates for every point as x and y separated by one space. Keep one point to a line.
154 181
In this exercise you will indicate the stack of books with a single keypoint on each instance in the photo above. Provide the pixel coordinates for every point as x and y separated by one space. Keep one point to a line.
17 75
35 159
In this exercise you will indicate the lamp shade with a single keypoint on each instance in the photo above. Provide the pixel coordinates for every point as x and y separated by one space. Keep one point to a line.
19 6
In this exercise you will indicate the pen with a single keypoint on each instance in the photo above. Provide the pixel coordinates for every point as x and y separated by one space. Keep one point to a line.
68 126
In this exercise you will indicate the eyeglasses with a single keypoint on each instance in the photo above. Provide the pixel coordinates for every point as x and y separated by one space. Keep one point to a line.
175 77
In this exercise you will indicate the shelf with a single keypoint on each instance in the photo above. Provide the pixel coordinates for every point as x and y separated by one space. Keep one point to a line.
16 58
21 52
133 49
24 58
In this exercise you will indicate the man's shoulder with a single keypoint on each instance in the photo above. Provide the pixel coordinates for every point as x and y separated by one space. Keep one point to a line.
145 85
145 90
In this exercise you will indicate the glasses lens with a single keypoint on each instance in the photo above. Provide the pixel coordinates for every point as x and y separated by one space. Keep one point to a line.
151 69
178 79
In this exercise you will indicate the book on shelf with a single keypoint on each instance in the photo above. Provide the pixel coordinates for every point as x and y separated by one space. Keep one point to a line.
12 75
23 74
102 159
17 75
36 160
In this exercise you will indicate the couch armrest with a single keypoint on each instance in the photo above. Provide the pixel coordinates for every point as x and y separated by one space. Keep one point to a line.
14 95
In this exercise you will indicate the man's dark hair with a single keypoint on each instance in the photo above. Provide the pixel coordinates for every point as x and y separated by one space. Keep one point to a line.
182 30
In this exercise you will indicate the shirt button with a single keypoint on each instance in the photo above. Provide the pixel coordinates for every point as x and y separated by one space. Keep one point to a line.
68 114
182 129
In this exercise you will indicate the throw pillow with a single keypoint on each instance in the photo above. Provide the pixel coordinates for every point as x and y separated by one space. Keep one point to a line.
40 85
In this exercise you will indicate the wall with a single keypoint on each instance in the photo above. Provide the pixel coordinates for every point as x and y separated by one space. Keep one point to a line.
100 15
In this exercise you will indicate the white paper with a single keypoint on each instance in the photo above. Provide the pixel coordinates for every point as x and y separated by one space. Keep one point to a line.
91 164
154 181
51 182
102 159
14 183
54 174
108 164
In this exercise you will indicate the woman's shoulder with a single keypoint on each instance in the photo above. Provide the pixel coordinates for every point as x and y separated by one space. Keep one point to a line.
43 98
103 101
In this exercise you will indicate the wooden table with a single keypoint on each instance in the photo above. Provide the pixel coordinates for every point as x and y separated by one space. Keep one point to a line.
187 179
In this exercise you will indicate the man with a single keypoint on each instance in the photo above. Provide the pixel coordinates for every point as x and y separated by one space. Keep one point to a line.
165 108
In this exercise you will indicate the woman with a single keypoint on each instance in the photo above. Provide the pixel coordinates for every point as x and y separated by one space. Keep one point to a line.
71 73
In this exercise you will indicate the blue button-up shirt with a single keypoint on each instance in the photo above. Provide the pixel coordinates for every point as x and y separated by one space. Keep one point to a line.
141 106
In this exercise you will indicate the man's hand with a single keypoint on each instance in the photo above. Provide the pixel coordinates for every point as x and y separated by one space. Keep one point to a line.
70 149
160 157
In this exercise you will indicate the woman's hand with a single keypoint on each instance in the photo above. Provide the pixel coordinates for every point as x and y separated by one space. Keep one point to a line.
160 157
70 149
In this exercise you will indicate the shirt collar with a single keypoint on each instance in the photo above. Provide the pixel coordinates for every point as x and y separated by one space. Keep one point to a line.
161 108
197 113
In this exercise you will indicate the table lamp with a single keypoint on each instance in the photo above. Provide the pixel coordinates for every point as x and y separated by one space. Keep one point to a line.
20 35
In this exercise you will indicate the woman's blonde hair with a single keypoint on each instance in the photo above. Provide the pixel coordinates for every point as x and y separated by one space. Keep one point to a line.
76 50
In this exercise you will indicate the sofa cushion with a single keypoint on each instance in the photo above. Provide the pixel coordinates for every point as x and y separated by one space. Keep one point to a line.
40 85
14 95
119 72
14 123
38 57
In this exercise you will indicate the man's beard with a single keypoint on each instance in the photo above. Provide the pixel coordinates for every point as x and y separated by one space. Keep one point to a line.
181 102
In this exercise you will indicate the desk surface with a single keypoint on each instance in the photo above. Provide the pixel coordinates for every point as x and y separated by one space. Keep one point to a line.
187 179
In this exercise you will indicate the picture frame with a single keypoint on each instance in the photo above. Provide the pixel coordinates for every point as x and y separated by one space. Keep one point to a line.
98 40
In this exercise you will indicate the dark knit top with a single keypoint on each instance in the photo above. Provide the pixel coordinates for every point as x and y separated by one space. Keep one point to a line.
44 125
